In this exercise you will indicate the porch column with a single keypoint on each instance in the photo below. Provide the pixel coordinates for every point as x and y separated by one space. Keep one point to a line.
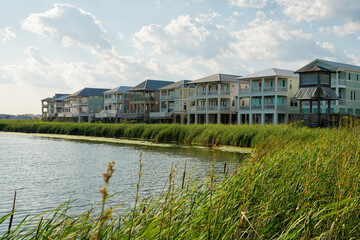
207 117
263 119
195 89
276 84
196 118
206 98
286 118
337 87
160 102
239 119
262 102
250 118
275 118
250 85
188 118
262 84
310 106
219 94
219 118
300 106
230 118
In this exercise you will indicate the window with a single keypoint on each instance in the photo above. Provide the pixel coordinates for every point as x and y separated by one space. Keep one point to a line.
283 83
290 84
184 106
223 103
351 95
349 76
354 95
324 79
293 103
308 79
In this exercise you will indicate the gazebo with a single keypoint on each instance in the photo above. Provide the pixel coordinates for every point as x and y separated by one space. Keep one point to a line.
315 86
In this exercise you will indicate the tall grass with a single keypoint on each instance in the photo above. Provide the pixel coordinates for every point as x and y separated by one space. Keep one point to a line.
234 135
292 187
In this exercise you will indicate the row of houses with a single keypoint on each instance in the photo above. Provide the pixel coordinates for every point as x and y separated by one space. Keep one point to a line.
320 88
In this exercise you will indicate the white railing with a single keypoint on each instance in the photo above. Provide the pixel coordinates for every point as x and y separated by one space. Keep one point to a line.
161 114
256 90
269 106
213 108
282 89
213 93
201 93
269 89
225 92
256 107
244 106
244 90
200 108
225 108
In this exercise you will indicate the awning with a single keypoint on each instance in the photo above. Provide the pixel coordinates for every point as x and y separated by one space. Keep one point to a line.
316 93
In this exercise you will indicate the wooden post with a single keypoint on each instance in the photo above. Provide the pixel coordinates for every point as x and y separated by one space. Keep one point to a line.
12 215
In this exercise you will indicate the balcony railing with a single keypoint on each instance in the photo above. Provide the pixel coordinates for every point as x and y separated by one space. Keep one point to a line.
244 90
213 93
282 89
342 82
244 107
225 92
269 89
169 97
256 107
256 90
159 115
224 108
213 108
132 115
201 93
200 108
269 106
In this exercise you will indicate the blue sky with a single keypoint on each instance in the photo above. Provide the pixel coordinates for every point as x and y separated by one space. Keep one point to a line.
63 46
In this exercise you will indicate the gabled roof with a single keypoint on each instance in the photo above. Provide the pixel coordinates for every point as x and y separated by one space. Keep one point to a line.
332 65
86 92
47 99
178 84
151 85
60 97
271 72
120 89
314 68
315 92
218 77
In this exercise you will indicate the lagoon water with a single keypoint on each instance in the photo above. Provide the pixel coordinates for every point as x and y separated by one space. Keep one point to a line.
47 172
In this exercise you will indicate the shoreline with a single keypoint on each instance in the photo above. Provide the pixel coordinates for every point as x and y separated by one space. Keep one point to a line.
225 148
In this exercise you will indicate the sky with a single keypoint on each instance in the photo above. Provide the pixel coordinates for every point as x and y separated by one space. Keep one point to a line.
49 47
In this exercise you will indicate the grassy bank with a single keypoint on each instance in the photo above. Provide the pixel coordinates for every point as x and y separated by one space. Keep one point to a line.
207 135
292 187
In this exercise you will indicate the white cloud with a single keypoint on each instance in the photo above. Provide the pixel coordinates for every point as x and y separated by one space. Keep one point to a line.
326 46
7 34
120 35
184 35
271 40
310 10
248 3
353 58
70 26
344 30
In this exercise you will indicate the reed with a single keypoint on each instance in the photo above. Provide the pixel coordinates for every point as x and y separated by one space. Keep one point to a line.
207 135
304 184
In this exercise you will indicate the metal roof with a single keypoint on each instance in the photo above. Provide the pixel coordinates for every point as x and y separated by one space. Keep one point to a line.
312 93
315 68
86 92
47 99
120 89
151 85
219 77
271 72
178 84
333 65
60 97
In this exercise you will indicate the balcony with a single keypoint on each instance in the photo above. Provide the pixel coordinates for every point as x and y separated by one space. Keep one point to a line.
244 107
213 108
200 108
269 89
161 115
256 89
167 97
269 106
244 90
342 83
225 92
201 93
213 93
256 107
224 108
133 115
282 89
113 100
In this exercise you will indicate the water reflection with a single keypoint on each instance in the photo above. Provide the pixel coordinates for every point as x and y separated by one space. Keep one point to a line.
47 172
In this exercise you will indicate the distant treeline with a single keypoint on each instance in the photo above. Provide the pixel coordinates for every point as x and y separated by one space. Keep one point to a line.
207 135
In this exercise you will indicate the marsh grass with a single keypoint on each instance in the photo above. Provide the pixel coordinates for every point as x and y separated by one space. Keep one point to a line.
207 135
298 184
